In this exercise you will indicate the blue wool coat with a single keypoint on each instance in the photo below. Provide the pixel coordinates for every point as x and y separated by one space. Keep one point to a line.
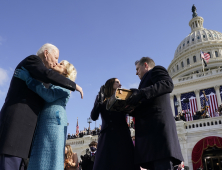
49 139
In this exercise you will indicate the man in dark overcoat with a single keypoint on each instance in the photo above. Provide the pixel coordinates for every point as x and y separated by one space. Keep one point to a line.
18 116
156 141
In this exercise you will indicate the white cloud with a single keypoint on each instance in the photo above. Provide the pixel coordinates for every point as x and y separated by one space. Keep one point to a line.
3 76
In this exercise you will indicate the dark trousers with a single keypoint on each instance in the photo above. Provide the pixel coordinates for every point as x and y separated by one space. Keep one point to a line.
163 164
8 162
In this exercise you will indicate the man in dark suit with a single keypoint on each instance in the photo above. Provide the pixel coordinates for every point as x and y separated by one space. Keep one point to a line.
19 113
156 142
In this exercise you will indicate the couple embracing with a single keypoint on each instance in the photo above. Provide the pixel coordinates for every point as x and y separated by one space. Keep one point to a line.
33 120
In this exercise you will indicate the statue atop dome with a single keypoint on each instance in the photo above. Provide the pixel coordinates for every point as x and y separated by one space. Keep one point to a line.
194 10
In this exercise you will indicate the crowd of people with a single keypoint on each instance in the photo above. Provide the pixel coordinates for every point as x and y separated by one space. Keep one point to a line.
200 114
94 132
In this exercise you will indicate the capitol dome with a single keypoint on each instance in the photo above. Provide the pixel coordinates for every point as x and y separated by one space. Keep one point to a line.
186 69
187 55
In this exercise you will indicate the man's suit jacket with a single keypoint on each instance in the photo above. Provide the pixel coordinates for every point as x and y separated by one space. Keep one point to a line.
155 130
19 113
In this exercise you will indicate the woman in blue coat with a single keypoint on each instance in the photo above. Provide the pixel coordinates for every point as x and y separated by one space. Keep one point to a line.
50 135
115 150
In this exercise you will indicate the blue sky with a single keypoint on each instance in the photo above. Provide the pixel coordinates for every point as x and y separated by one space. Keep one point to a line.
101 38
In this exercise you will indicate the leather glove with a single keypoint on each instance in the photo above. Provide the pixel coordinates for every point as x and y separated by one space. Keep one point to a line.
101 95
23 74
135 98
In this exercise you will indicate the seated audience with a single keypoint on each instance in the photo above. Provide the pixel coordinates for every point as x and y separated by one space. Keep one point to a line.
177 118
195 117
207 115
216 113
198 113
73 136
182 116
69 136
220 108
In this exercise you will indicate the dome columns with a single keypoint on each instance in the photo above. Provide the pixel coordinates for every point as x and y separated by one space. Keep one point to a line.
179 100
197 94
172 104
196 23
217 90
220 53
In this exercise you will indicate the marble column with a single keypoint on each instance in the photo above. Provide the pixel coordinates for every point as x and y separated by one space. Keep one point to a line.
217 89
197 93
212 53
172 103
219 52
179 100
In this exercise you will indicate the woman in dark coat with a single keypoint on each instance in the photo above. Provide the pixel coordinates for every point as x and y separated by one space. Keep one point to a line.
115 149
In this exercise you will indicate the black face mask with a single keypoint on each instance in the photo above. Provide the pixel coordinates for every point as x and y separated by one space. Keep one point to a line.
92 148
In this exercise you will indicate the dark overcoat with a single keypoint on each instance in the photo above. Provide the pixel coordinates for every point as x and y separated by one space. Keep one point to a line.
155 130
115 148
88 162
19 113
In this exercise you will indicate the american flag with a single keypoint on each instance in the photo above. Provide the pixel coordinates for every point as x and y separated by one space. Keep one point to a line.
77 127
205 56
212 100
190 107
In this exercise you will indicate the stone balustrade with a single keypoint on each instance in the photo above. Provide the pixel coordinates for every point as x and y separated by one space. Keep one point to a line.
199 125
81 141
203 123
185 78
194 76
219 70
205 73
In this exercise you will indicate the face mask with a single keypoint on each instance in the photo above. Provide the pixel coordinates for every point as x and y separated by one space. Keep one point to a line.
93 148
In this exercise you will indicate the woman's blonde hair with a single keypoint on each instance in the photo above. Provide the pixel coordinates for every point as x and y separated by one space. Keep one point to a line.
71 70
69 152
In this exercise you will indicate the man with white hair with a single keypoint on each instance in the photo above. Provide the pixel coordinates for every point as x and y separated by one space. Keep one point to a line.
19 113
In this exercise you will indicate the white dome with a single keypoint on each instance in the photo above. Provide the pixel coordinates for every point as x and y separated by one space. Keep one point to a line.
196 37
187 55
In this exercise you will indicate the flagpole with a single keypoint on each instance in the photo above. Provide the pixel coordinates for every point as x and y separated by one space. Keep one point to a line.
202 60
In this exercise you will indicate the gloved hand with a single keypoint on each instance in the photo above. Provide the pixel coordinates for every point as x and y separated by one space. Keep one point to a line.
23 74
101 95
135 98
